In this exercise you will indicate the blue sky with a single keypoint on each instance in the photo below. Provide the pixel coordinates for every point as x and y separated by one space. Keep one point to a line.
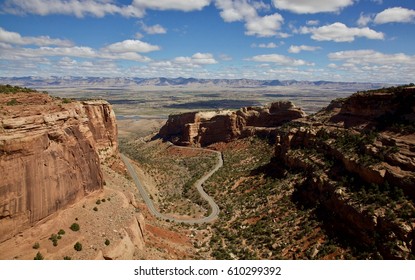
336 40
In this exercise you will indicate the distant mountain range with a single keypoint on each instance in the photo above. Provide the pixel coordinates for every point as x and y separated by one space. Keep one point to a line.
121 82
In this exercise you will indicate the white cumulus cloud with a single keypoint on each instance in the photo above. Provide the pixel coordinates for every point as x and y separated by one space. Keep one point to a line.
279 60
78 8
181 5
297 49
270 45
247 11
313 22
312 6
196 59
132 46
98 8
236 10
15 38
339 32
396 14
153 29
266 26
372 65
372 56
364 20
10 49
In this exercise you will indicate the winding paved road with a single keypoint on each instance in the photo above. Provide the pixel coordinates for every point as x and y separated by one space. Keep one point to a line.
215 208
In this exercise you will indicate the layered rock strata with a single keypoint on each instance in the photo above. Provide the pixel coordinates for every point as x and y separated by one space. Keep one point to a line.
205 128
358 160
50 152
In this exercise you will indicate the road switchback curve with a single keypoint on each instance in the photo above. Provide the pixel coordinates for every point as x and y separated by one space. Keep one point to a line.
199 186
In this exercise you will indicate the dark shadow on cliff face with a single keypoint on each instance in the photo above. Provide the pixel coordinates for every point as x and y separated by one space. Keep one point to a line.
157 137
273 169
337 229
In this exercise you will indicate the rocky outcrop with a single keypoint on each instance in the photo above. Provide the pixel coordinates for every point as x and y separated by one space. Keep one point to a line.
132 240
356 157
205 128
50 153
103 126
373 108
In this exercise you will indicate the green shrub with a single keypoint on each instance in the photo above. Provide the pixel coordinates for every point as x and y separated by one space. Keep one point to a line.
12 102
95 208
75 227
77 246
38 256
98 202
67 258
107 242
14 89
53 238
36 245
61 232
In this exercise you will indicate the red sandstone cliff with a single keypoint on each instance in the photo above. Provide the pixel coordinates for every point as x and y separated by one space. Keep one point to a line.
50 151
357 160
205 128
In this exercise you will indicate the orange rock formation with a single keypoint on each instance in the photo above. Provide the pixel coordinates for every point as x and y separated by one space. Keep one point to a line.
50 152
205 128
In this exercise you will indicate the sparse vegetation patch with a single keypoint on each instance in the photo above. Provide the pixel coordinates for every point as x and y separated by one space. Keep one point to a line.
75 227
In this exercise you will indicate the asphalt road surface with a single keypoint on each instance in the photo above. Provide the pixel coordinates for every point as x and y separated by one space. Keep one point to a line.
199 186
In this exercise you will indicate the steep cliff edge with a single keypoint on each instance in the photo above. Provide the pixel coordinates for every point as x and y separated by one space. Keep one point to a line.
50 152
205 128
357 157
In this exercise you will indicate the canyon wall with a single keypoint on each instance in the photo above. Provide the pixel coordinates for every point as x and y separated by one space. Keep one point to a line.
205 128
357 160
50 152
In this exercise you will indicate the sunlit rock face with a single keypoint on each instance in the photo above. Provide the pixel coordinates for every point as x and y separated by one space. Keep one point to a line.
50 152
205 128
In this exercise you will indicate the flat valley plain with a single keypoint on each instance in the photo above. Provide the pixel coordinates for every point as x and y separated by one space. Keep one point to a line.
144 108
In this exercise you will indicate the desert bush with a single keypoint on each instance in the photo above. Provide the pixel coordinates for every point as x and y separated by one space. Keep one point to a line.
38 256
12 102
36 245
14 89
54 238
107 242
77 246
75 227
